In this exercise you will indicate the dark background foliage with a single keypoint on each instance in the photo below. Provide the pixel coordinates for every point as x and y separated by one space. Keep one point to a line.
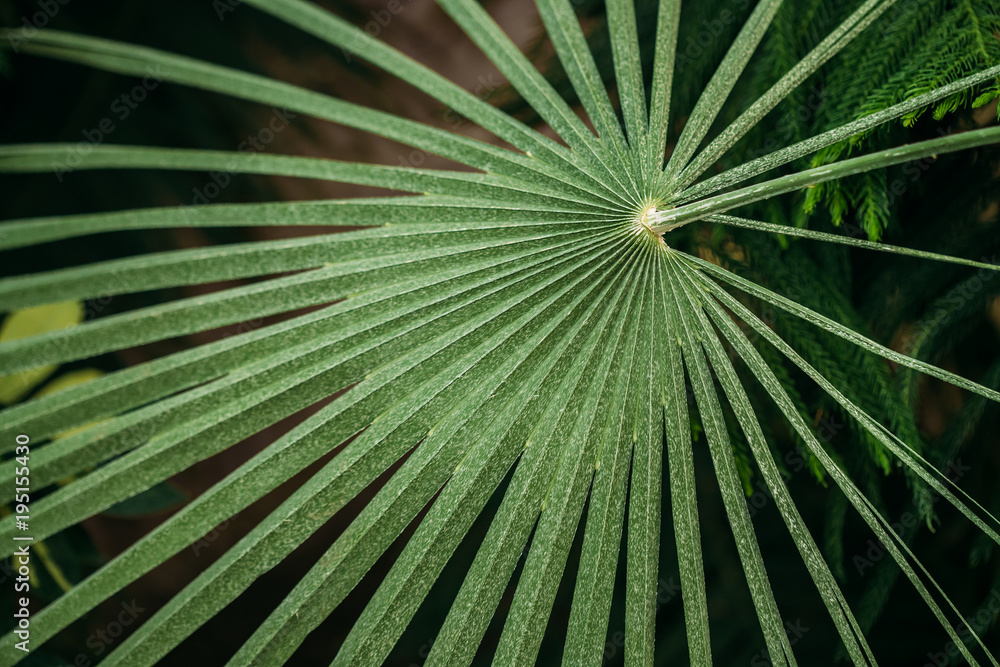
943 314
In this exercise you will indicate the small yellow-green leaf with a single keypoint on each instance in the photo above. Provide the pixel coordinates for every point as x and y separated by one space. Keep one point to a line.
67 380
31 322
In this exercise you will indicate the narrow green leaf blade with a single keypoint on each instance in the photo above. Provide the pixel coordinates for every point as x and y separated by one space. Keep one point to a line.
841 36
683 494
718 89
720 448
782 156
668 23
673 218
757 225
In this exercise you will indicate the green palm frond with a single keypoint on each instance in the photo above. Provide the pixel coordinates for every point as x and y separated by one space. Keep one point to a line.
525 338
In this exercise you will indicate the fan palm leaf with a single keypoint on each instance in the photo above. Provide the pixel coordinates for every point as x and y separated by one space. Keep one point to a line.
522 329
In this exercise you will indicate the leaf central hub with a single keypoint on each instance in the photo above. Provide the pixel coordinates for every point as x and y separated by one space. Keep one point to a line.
644 222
